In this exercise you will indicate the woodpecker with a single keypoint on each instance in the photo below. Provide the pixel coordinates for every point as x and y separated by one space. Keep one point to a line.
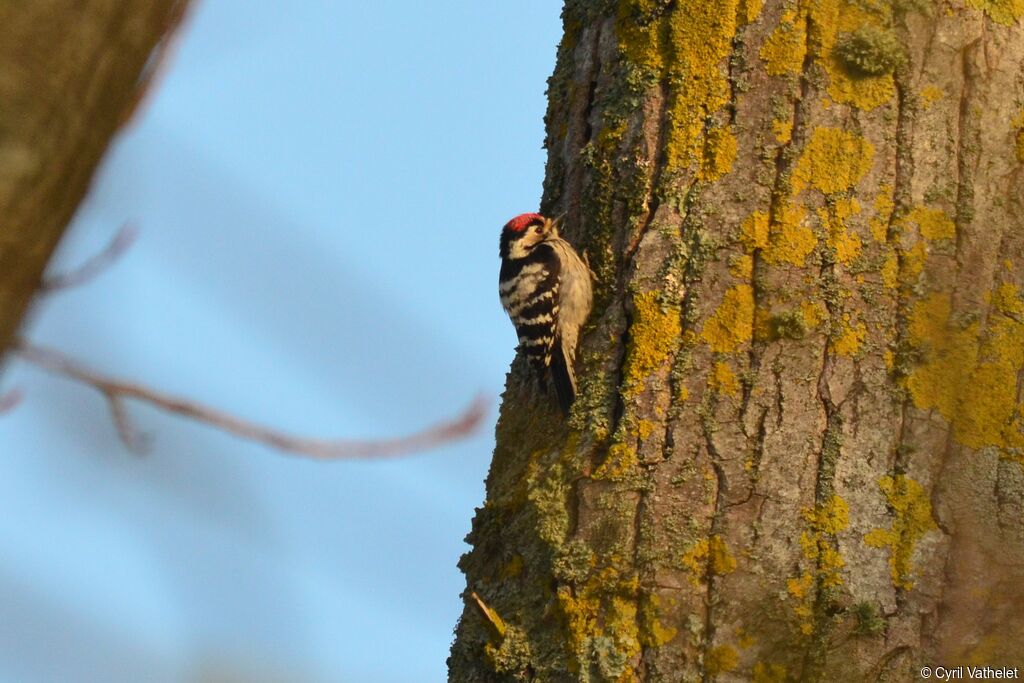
545 289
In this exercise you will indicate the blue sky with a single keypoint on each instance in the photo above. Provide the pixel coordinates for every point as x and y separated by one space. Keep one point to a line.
319 188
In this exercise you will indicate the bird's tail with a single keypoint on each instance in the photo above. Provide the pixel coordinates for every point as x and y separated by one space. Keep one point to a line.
563 377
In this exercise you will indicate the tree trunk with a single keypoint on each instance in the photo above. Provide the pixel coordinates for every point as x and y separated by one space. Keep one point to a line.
796 454
71 72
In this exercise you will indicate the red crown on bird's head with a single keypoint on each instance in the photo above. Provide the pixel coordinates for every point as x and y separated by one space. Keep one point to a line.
523 220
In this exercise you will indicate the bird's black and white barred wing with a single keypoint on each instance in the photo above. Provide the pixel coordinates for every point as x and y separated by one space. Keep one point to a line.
529 292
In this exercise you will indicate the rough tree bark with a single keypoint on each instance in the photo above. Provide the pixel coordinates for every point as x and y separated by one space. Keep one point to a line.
797 450
71 72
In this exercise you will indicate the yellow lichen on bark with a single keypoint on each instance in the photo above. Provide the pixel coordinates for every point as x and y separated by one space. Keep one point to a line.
719 154
721 659
701 35
830 517
989 412
824 562
801 590
813 313
619 463
845 244
1018 124
654 633
754 231
969 377
724 379
749 10
641 42
653 335
708 556
644 429
884 206
914 260
580 617
948 355
838 19
849 338
934 224
1005 12
912 519
722 561
601 620
769 672
833 161
689 44
890 271
783 131
784 51
742 267
930 94
790 240
732 323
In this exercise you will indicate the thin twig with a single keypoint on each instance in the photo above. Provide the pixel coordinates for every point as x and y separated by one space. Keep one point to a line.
10 400
116 391
159 59
492 617
134 440
121 242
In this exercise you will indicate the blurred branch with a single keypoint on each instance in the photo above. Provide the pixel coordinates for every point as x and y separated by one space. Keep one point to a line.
492 617
121 242
116 391
156 67
9 400
71 73
134 440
